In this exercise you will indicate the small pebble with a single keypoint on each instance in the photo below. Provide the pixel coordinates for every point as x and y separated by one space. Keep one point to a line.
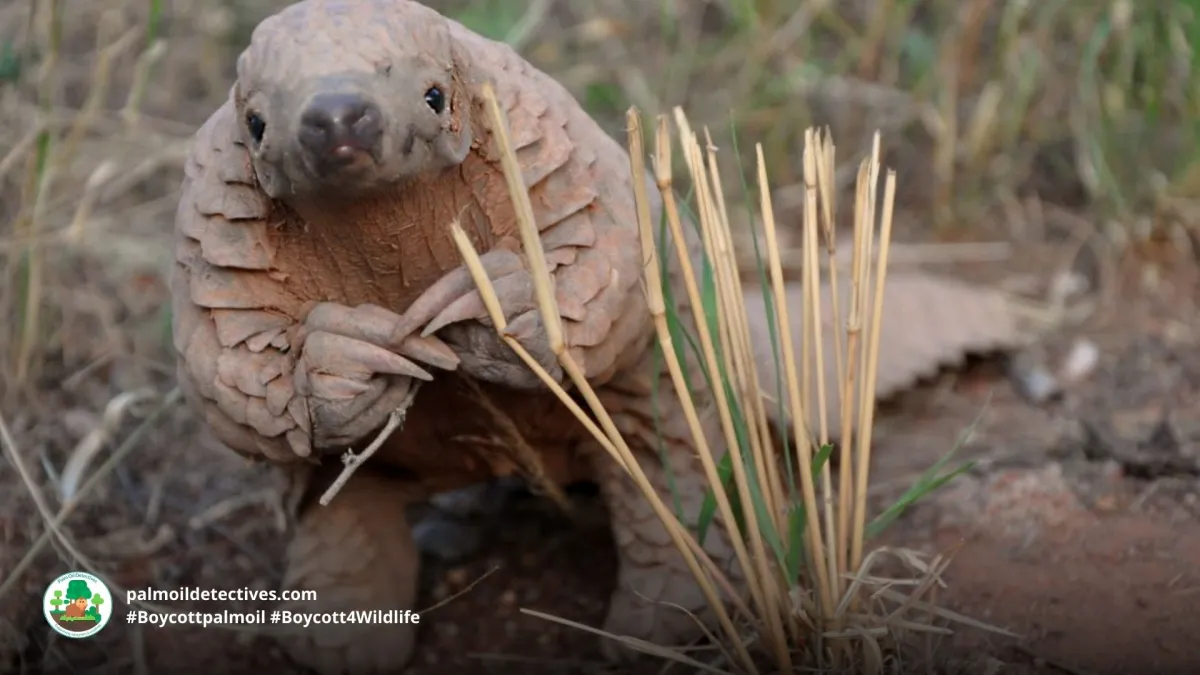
1038 384
457 577
1112 471
1106 503
1066 286
508 598
1080 362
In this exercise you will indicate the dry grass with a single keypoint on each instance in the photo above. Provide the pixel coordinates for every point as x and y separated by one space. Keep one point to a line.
984 106
991 111
809 581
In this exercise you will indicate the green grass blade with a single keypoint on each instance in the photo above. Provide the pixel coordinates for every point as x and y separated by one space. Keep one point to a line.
930 480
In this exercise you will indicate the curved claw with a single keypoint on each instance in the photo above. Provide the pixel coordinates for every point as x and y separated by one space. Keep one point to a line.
373 324
354 359
498 263
429 350
368 323
515 292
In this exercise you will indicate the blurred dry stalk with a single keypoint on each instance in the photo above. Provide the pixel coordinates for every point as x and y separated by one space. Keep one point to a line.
1070 101
83 194
1075 102
805 565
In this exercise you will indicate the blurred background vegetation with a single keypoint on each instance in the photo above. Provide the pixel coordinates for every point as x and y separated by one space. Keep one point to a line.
984 105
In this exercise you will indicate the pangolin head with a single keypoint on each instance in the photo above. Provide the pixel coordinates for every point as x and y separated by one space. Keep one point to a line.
341 97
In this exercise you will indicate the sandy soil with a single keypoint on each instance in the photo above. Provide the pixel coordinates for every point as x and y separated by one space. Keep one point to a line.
1077 530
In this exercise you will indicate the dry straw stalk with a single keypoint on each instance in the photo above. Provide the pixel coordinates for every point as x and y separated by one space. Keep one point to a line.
815 602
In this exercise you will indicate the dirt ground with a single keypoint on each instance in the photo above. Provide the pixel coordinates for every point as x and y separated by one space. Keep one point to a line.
1078 529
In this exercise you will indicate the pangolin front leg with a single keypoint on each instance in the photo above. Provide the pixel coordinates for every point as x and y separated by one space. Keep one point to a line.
271 376
341 362
453 307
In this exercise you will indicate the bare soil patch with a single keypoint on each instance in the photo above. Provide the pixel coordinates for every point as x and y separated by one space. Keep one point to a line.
1058 535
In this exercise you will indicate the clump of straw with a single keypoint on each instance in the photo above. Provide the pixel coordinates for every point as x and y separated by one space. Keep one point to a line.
804 562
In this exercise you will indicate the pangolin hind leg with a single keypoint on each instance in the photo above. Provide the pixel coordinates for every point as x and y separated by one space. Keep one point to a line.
356 553
655 589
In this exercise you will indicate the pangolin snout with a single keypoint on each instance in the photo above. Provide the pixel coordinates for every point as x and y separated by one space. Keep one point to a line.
337 129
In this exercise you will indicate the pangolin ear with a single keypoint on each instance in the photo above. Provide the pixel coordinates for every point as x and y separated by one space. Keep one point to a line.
237 94
453 148
270 181
454 145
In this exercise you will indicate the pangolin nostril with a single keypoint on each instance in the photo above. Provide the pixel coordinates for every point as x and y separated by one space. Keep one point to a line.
331 122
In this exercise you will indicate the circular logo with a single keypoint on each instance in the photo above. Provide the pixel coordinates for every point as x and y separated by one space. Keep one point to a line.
77 605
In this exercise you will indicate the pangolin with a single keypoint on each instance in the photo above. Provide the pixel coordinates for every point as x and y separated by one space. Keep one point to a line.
316 279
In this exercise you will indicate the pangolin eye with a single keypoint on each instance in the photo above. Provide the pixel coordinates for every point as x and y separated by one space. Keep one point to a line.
435 99
257 127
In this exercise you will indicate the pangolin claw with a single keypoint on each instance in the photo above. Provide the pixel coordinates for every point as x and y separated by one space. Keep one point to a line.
515 293
372 325
341 355
431 350
450 289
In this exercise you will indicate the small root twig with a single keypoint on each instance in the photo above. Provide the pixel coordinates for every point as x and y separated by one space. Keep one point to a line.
225 507
352 461
93 443
445 601
54 523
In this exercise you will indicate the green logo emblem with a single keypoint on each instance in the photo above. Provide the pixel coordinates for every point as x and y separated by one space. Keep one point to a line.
77 605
